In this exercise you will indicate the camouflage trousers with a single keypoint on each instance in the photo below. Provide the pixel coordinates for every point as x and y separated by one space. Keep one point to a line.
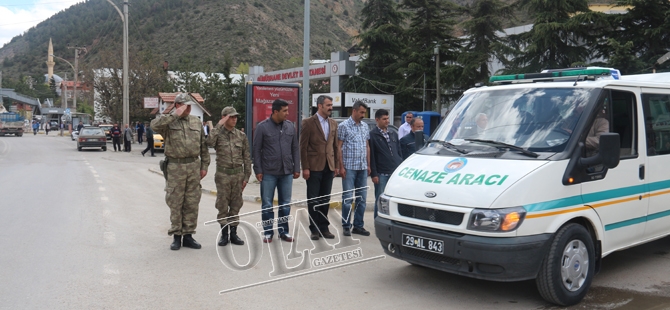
228 197
182 195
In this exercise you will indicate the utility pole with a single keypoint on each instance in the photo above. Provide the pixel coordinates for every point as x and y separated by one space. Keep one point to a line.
437 76
306 103
124 19
2 102
76 73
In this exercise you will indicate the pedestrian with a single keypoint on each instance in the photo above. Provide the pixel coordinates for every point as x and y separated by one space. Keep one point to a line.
127 137
206 128
62 127
354 152
233 169
408 143
188 159
47 127
115 132
79 127
36 127
318 156
150 141
276 164
405 128
385 154
140 132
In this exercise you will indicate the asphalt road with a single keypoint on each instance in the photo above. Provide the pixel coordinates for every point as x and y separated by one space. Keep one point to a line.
89 230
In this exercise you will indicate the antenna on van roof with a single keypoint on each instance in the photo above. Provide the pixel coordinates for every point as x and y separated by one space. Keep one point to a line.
576 80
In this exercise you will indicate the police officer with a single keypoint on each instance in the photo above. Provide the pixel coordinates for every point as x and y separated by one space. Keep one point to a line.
233 168
188 160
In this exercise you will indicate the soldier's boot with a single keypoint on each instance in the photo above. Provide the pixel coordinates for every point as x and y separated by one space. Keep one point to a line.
176 244
189 242
234 239
224 235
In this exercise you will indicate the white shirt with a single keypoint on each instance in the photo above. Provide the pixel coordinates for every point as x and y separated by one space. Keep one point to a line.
204 127
404 130
325 125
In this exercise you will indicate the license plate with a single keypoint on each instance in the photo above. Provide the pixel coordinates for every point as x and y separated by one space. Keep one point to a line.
422 243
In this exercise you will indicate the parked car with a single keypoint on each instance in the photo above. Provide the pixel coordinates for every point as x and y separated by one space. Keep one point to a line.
91 137
158 142
370 121
107 128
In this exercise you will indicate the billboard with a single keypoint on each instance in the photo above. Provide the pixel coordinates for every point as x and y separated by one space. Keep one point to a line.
260 96
150 102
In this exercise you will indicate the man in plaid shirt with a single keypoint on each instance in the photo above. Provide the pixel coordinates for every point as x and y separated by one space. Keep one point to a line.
354 153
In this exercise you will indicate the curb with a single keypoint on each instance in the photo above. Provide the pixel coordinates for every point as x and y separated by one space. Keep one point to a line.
257 199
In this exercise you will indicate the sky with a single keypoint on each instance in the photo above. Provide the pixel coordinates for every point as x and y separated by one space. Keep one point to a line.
17 16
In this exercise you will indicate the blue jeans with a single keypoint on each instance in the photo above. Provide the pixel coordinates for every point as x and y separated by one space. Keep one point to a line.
379 189
354 179
283 184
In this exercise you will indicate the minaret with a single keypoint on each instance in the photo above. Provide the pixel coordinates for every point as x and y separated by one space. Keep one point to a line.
50 62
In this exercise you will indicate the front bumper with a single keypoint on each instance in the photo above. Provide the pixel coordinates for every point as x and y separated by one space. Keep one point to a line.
97 144
490 258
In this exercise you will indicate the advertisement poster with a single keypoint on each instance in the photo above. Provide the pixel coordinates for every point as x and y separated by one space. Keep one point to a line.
263 96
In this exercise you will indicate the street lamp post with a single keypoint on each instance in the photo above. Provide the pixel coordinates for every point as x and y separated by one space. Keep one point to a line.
124 18
74 97
436 51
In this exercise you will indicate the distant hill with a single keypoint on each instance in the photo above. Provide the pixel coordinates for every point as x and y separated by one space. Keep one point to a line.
190 34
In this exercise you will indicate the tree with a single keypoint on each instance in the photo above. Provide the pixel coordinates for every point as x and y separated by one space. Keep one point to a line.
52 87
646 26
562 34
483 42
380 41
431 24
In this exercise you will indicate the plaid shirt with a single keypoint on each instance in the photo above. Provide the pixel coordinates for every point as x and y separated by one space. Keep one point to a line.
354 139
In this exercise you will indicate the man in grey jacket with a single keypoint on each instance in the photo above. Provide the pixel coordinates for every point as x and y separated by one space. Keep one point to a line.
276 163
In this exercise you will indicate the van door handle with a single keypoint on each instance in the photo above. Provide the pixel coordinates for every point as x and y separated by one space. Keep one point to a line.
641 172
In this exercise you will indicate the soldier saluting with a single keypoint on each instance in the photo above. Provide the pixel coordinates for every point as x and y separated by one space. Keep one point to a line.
233 169
188 159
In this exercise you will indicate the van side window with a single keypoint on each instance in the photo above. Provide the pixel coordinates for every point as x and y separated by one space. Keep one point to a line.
623 122
656 109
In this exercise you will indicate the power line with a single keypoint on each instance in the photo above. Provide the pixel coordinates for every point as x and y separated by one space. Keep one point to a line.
30 21
33 4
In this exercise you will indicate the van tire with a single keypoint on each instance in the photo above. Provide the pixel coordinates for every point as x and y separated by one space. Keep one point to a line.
551 283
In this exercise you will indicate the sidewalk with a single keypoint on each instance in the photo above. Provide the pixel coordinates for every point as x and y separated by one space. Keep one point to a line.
253 189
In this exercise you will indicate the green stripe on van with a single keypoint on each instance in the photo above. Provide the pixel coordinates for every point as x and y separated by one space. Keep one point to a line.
626 223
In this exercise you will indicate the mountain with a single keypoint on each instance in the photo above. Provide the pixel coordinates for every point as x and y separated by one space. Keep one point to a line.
189 34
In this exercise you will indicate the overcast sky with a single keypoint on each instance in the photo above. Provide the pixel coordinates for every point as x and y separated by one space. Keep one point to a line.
17 16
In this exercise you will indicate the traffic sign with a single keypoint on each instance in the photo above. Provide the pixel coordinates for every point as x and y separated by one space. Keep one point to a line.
67 111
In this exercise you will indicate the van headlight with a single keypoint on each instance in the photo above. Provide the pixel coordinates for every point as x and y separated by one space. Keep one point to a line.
496 220
383 204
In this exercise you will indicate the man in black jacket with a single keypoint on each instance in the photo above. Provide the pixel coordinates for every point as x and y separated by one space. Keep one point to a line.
408 143
384 153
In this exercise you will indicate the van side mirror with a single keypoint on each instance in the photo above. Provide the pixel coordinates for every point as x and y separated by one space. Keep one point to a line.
610 149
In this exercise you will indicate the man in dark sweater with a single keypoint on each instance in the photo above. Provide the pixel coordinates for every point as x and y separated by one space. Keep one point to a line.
408 143
384 153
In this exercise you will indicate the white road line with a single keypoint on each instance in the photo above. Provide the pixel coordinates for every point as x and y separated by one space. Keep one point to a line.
102 189
106 213
103 198
110 238
110 275
96 176
99 181
93 171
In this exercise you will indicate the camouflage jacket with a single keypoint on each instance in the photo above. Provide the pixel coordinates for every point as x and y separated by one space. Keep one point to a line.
232 149
183 137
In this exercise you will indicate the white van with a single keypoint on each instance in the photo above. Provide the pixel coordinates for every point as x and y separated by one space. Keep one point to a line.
538 178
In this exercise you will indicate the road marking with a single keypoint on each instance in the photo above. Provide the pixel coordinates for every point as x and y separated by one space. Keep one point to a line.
102 189
99 181
94 172
95 175
103 198
110 238
106 213
110 275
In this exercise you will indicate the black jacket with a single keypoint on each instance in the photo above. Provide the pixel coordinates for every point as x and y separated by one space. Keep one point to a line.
383 159
408 145
275 148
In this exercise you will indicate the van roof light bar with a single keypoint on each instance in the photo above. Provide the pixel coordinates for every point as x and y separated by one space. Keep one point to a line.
555 75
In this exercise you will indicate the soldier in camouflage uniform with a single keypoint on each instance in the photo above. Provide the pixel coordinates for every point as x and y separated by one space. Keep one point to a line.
188 160
233 168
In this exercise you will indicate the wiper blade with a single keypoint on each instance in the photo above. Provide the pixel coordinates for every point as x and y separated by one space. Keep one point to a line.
509 146
447 144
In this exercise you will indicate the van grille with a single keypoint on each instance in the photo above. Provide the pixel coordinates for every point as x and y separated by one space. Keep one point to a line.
432 215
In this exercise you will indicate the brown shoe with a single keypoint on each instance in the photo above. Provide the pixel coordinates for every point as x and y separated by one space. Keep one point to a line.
326 234
314 236
286 237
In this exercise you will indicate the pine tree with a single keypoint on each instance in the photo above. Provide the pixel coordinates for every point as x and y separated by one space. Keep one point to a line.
483 42
562 35
380 41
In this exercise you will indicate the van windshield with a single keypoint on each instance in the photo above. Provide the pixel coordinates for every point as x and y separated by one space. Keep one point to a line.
535 119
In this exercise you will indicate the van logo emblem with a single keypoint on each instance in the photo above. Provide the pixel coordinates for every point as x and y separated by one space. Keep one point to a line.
455 164
430 194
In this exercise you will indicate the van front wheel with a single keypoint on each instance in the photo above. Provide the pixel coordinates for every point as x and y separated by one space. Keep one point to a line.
568 267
